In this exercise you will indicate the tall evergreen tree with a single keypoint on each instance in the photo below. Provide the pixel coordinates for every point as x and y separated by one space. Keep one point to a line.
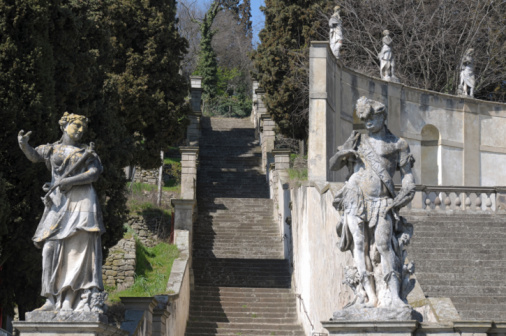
281 60
26 102
207 66
148 51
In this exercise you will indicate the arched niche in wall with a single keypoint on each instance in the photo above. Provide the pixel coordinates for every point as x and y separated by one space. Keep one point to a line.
431 156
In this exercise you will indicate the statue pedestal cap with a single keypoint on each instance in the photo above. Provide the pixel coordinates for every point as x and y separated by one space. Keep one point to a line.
376 328
43 323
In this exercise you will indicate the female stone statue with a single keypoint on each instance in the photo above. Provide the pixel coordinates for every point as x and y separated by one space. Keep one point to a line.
467 81
70 229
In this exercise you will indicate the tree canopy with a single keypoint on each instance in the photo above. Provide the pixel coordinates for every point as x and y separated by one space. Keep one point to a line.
281 60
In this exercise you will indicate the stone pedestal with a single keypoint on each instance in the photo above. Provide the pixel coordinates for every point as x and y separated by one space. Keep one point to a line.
189 155
67 329
267 138
376 328
44 323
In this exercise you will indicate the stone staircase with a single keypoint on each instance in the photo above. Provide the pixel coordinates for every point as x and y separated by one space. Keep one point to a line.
462 256
242 282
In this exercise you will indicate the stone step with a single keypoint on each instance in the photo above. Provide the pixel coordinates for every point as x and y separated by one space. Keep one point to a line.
242 284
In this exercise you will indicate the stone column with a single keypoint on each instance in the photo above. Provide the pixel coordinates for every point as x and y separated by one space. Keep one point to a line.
160 315
189 156
281 159
193 131
137 308
320 118
196 93
267 138
260 110
254 109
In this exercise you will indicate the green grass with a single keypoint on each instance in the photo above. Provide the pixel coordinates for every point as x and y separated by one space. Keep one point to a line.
171 161
297 174
152 271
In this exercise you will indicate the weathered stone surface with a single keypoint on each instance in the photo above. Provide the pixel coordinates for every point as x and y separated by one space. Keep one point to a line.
387 59
374 314
70 228
370 226
63 316
336 32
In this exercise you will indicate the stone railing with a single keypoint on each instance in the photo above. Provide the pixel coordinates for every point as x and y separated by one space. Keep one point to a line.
307 220
167 315
452 198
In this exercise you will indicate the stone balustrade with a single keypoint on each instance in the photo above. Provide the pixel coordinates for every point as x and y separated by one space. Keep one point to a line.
453 198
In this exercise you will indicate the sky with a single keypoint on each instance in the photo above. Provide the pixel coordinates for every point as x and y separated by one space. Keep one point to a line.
257 18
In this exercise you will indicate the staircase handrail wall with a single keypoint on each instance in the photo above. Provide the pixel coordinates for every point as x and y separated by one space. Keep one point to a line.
307 221
470 143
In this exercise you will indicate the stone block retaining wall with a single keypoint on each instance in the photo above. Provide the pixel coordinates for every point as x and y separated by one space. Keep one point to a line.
119 268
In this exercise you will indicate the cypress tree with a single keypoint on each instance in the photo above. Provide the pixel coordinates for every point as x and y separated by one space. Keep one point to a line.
26 102
282 60
207 66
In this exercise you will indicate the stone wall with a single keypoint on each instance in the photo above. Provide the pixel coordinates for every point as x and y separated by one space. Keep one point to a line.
150 228
461 136
119 268
149 176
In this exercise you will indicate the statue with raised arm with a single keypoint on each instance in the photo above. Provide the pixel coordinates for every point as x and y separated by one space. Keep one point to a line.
467 80
387 60
336 32
71 226
370 227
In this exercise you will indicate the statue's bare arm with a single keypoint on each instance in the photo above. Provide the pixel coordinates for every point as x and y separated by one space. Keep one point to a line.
29 151
407 191
89 176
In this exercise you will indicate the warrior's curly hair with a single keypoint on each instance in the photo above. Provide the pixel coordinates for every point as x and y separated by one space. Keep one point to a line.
69 118
366 106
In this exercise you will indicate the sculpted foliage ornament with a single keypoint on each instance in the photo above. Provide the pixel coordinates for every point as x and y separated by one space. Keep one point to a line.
70 229
370 227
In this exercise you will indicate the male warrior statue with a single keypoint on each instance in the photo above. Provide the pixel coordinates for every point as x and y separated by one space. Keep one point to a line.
387 60
370 226
336 32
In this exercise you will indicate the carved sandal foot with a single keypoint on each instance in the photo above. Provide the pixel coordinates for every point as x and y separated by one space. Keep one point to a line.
48 306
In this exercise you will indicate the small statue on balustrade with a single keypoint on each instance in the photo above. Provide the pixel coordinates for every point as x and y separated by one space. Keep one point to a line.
387 60
370 226
467 80
336 32
71 226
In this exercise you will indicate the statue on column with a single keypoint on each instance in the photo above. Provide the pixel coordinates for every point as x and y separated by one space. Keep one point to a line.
71 226
467 80
370 226
336 32
387 60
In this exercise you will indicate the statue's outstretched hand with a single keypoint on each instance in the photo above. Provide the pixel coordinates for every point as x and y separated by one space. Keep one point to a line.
23 138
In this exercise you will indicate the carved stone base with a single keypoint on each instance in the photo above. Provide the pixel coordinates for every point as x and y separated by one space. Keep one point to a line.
67 329
376 328
62 316
43 323
374 314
